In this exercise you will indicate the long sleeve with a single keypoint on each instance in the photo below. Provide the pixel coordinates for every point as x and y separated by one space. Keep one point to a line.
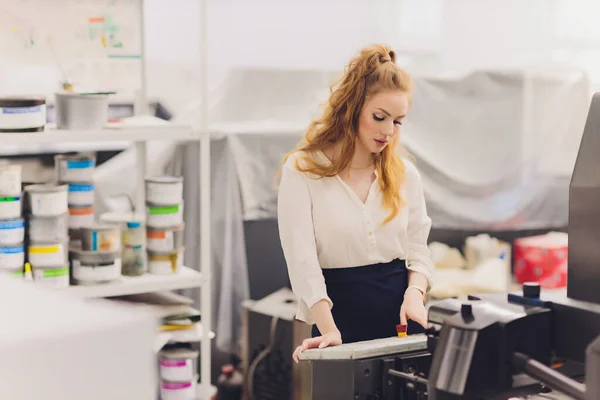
296 232
419 226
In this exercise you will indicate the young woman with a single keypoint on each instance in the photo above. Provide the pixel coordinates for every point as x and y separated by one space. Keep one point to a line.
352 217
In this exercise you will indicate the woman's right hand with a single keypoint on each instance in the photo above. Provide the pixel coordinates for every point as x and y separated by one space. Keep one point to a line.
333 338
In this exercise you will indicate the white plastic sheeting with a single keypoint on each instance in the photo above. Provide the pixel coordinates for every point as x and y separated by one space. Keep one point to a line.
495 151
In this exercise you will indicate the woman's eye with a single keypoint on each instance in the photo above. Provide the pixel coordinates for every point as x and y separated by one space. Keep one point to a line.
377 118
398 122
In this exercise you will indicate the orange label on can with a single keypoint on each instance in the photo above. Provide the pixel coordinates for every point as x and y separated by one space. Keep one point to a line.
81 211
156 235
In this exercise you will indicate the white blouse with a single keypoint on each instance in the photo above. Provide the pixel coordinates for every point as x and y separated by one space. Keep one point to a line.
323 224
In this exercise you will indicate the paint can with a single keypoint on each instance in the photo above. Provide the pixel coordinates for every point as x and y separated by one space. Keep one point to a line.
101 237
78 168
165 263
164 190
94 267
12 257
165 239
48 254
51 277
12 231
22 114
81 194
44 200
80 216
10 179
10 207
135 260
178 390
81 111
48 229
18 273
158 216
177 364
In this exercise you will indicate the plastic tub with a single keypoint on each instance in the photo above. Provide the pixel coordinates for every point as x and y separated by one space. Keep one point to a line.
101 237
81 111
165 239
177 365
48 229
81 194
12 257
165 263
77 168
94 267
10 179
48 254
10 207
55 277
159 216
45 200
22 114
81 216
178 390
12 231
164 190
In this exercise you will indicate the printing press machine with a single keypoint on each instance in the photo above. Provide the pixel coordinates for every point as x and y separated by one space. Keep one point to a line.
495 346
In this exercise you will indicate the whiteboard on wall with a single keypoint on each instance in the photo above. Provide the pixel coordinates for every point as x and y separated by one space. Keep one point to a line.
95 44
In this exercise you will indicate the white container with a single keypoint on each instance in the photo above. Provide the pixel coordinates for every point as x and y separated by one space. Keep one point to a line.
81 216
101 237
56 277
164 190
81 111
10 179
158 216
165 239
12 231
178 390
22 114
48 229
47 200
48 254
12 257
165 263
10 207
81 194
79 168
18 273
177 365
93 267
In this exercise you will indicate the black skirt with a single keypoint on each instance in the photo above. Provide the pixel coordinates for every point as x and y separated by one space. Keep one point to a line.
367 300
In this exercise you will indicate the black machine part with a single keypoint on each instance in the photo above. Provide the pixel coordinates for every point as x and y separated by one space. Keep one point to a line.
478 338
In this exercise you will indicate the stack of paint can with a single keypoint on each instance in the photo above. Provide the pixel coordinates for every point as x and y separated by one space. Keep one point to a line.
12 226
98 259
165 227
77 172
47 234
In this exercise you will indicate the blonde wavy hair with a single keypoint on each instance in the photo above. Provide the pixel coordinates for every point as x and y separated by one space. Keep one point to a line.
372 70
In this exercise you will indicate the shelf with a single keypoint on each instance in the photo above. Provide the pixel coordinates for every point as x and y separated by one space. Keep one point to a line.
52 136
187 278
193 335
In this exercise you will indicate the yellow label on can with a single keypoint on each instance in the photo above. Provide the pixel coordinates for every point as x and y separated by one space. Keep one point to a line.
43 250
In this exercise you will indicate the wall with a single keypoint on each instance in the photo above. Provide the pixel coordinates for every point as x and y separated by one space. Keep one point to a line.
261 33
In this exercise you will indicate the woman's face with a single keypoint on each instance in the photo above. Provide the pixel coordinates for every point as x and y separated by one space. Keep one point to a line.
380 119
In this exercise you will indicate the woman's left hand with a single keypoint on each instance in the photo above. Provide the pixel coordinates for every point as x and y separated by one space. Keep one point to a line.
413 308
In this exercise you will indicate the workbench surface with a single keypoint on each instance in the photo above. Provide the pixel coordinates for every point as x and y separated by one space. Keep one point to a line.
366 349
